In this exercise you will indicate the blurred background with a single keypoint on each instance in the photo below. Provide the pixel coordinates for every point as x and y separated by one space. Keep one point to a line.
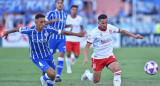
136 16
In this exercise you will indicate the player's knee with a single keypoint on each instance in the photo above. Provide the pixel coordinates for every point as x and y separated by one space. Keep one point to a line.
52 75
76 56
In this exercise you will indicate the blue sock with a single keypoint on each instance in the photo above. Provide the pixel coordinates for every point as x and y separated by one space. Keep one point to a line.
59 66
48 84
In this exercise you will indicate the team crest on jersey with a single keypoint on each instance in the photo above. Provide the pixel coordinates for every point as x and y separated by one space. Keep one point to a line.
101 34
110 31
78 20
46 33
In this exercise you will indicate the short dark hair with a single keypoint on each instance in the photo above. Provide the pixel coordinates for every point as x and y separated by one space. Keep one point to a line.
74 6
39 16
57 0
102 16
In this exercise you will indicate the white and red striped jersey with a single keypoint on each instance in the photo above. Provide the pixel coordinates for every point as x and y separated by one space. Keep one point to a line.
102 41
76 23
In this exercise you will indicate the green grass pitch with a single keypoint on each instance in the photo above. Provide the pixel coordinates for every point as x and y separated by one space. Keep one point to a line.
16 68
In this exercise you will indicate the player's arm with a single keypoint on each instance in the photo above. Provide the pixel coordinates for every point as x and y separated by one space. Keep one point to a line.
50 21
82 27
80 34
69 25
124 32
86 50
5 34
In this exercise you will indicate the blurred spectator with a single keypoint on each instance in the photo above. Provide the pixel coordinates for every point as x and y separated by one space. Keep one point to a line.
8 20
2 9
154 11
47 10
88 12
27 17
20 24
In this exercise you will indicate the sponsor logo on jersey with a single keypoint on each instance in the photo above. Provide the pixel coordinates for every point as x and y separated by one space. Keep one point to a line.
105 41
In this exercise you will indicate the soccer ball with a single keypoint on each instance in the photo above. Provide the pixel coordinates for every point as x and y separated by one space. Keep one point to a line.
151 67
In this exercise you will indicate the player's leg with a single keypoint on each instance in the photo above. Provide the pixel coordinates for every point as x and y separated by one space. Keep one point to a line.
76 51
68 57
61 47
115 68
45 67
98 65
50 61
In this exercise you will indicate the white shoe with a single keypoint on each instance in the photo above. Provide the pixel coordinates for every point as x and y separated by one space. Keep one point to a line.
43 82
69 71
84 76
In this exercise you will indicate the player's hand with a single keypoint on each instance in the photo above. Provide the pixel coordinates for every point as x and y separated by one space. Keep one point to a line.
81 34
55 20
85 61
138 36
5 34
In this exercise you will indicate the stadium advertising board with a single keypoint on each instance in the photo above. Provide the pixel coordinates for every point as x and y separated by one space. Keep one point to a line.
15 40
148 40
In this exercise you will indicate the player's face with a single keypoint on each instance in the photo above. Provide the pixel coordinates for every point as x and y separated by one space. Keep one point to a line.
59 5
40 23
103 23
74 11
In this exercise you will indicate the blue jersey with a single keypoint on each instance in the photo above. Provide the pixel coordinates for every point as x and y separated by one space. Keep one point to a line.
62 16
38 41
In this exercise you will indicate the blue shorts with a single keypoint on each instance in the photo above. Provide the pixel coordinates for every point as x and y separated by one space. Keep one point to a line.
44 63
59 44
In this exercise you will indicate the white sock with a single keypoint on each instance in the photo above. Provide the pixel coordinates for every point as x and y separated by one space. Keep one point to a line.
51 82
117 78
68 63
90 76
72 56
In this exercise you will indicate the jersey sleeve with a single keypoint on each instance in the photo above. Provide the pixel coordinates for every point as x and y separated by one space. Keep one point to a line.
91 38
24 30
115 29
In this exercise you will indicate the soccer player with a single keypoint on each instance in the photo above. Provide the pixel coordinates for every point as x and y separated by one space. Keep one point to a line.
101 38
38 36
57 41
73 42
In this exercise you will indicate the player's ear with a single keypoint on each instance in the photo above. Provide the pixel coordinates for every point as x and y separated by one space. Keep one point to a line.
98 22
35 21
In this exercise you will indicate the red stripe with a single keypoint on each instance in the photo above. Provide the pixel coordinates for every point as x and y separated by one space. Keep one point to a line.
89 42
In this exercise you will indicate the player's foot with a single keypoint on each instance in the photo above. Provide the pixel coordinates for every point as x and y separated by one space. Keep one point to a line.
84 76
58 79
73 61
69 71
43 82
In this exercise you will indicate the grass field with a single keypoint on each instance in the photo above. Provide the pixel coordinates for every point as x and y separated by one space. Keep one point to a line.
16 69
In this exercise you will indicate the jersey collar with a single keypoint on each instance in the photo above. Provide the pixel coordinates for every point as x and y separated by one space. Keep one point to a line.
101 29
